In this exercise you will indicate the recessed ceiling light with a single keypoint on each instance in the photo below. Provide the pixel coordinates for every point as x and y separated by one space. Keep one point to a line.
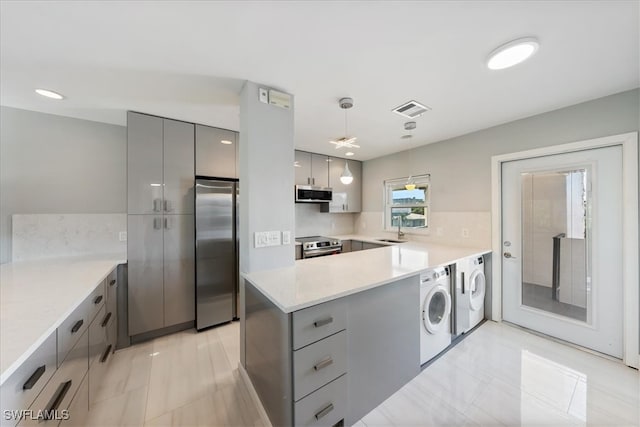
350 153
226 142
512 53
49 94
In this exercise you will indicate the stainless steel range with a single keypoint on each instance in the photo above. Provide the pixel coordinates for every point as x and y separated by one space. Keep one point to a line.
315 246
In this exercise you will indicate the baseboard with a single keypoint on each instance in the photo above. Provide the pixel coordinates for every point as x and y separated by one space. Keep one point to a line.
254 395
136 339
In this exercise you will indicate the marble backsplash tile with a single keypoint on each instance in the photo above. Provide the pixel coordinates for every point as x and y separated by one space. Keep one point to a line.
52 235
446 228
311 222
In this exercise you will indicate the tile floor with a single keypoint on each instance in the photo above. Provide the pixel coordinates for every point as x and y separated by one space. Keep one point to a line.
499 375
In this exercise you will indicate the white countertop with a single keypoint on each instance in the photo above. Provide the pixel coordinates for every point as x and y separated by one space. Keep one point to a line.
316 280
37 296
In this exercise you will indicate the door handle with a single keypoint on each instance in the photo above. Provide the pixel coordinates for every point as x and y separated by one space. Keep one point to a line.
313 180
508 255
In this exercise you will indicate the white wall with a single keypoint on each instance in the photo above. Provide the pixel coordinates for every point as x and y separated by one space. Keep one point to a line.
460 167
55 164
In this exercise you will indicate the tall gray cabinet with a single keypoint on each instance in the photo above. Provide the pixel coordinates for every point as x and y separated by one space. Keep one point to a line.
160 223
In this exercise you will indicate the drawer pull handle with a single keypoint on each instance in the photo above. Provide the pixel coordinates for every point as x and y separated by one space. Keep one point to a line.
106 319
98 299
112 282
77 326
33 379
55 403
323 363
325 411
105 355
323 322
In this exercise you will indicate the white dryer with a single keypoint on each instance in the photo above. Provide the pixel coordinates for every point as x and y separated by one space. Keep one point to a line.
470 292
435 307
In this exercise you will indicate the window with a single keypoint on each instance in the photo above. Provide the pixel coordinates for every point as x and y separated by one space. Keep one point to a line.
407 202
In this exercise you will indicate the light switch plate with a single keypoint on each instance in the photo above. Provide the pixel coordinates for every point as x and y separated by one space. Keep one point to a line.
286 237
259 239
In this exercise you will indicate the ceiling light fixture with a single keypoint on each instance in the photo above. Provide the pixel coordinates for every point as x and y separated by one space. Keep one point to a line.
49 94
345 141
349 153
512 53
347 177
408 126
226 142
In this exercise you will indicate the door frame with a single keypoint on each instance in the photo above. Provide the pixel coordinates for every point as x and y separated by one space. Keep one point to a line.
630 220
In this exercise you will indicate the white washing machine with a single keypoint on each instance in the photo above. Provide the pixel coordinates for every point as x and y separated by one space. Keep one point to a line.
470 291
435 307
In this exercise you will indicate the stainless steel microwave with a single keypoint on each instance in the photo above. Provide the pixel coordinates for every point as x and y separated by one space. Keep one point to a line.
311 194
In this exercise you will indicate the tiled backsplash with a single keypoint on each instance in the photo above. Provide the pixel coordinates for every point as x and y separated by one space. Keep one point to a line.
446 228
311 222
54 235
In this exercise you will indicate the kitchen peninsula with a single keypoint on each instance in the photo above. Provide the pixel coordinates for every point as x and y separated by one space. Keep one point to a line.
330 338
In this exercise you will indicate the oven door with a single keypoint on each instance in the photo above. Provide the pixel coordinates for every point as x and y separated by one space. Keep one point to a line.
321 252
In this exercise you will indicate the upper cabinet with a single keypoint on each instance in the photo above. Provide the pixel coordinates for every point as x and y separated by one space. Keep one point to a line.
311 169
216 152
346 197
160 159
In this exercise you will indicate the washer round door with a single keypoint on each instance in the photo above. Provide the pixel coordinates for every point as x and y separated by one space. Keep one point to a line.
436 309
477 287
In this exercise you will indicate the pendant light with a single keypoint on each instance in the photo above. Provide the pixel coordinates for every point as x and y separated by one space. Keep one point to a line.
345 141
347 177
411 184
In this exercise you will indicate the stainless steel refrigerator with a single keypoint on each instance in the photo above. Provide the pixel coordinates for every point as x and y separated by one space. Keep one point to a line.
216 251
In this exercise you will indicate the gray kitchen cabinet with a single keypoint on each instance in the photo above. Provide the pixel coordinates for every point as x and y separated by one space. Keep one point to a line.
178 164
346 246
368 245
332 363
144 159
213 157
356 245
161 280
311 169
146 262
179 269
346 197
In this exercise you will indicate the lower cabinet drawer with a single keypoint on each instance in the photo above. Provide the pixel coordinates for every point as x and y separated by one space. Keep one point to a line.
325 407
20 390
317 364
59 391
315 323
79 407
97 336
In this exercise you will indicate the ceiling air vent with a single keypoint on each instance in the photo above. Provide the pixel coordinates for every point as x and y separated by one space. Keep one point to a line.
411 109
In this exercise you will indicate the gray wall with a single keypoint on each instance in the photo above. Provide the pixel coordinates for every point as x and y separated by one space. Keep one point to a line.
55 164
460 167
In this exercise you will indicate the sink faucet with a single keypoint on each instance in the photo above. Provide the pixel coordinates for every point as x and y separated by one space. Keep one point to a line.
400 233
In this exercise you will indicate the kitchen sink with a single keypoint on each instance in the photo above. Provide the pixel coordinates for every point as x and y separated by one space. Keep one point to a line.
391 240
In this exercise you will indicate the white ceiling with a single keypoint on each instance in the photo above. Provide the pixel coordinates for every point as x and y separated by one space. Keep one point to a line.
188 60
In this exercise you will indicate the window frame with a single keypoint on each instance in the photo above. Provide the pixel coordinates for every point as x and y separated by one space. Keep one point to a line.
396 183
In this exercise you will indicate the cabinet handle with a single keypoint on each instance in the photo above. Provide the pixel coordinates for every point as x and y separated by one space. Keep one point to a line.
98 299
324 411
167 205
323 363
167 224
323 322
313 180
112 282
156 223
105 355
308 181
106 319
156 205
77 326
63 388
33 379
462 280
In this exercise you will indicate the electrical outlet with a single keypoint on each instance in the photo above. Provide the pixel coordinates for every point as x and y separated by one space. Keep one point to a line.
465 232
286 237
122 236
263 95
273 238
